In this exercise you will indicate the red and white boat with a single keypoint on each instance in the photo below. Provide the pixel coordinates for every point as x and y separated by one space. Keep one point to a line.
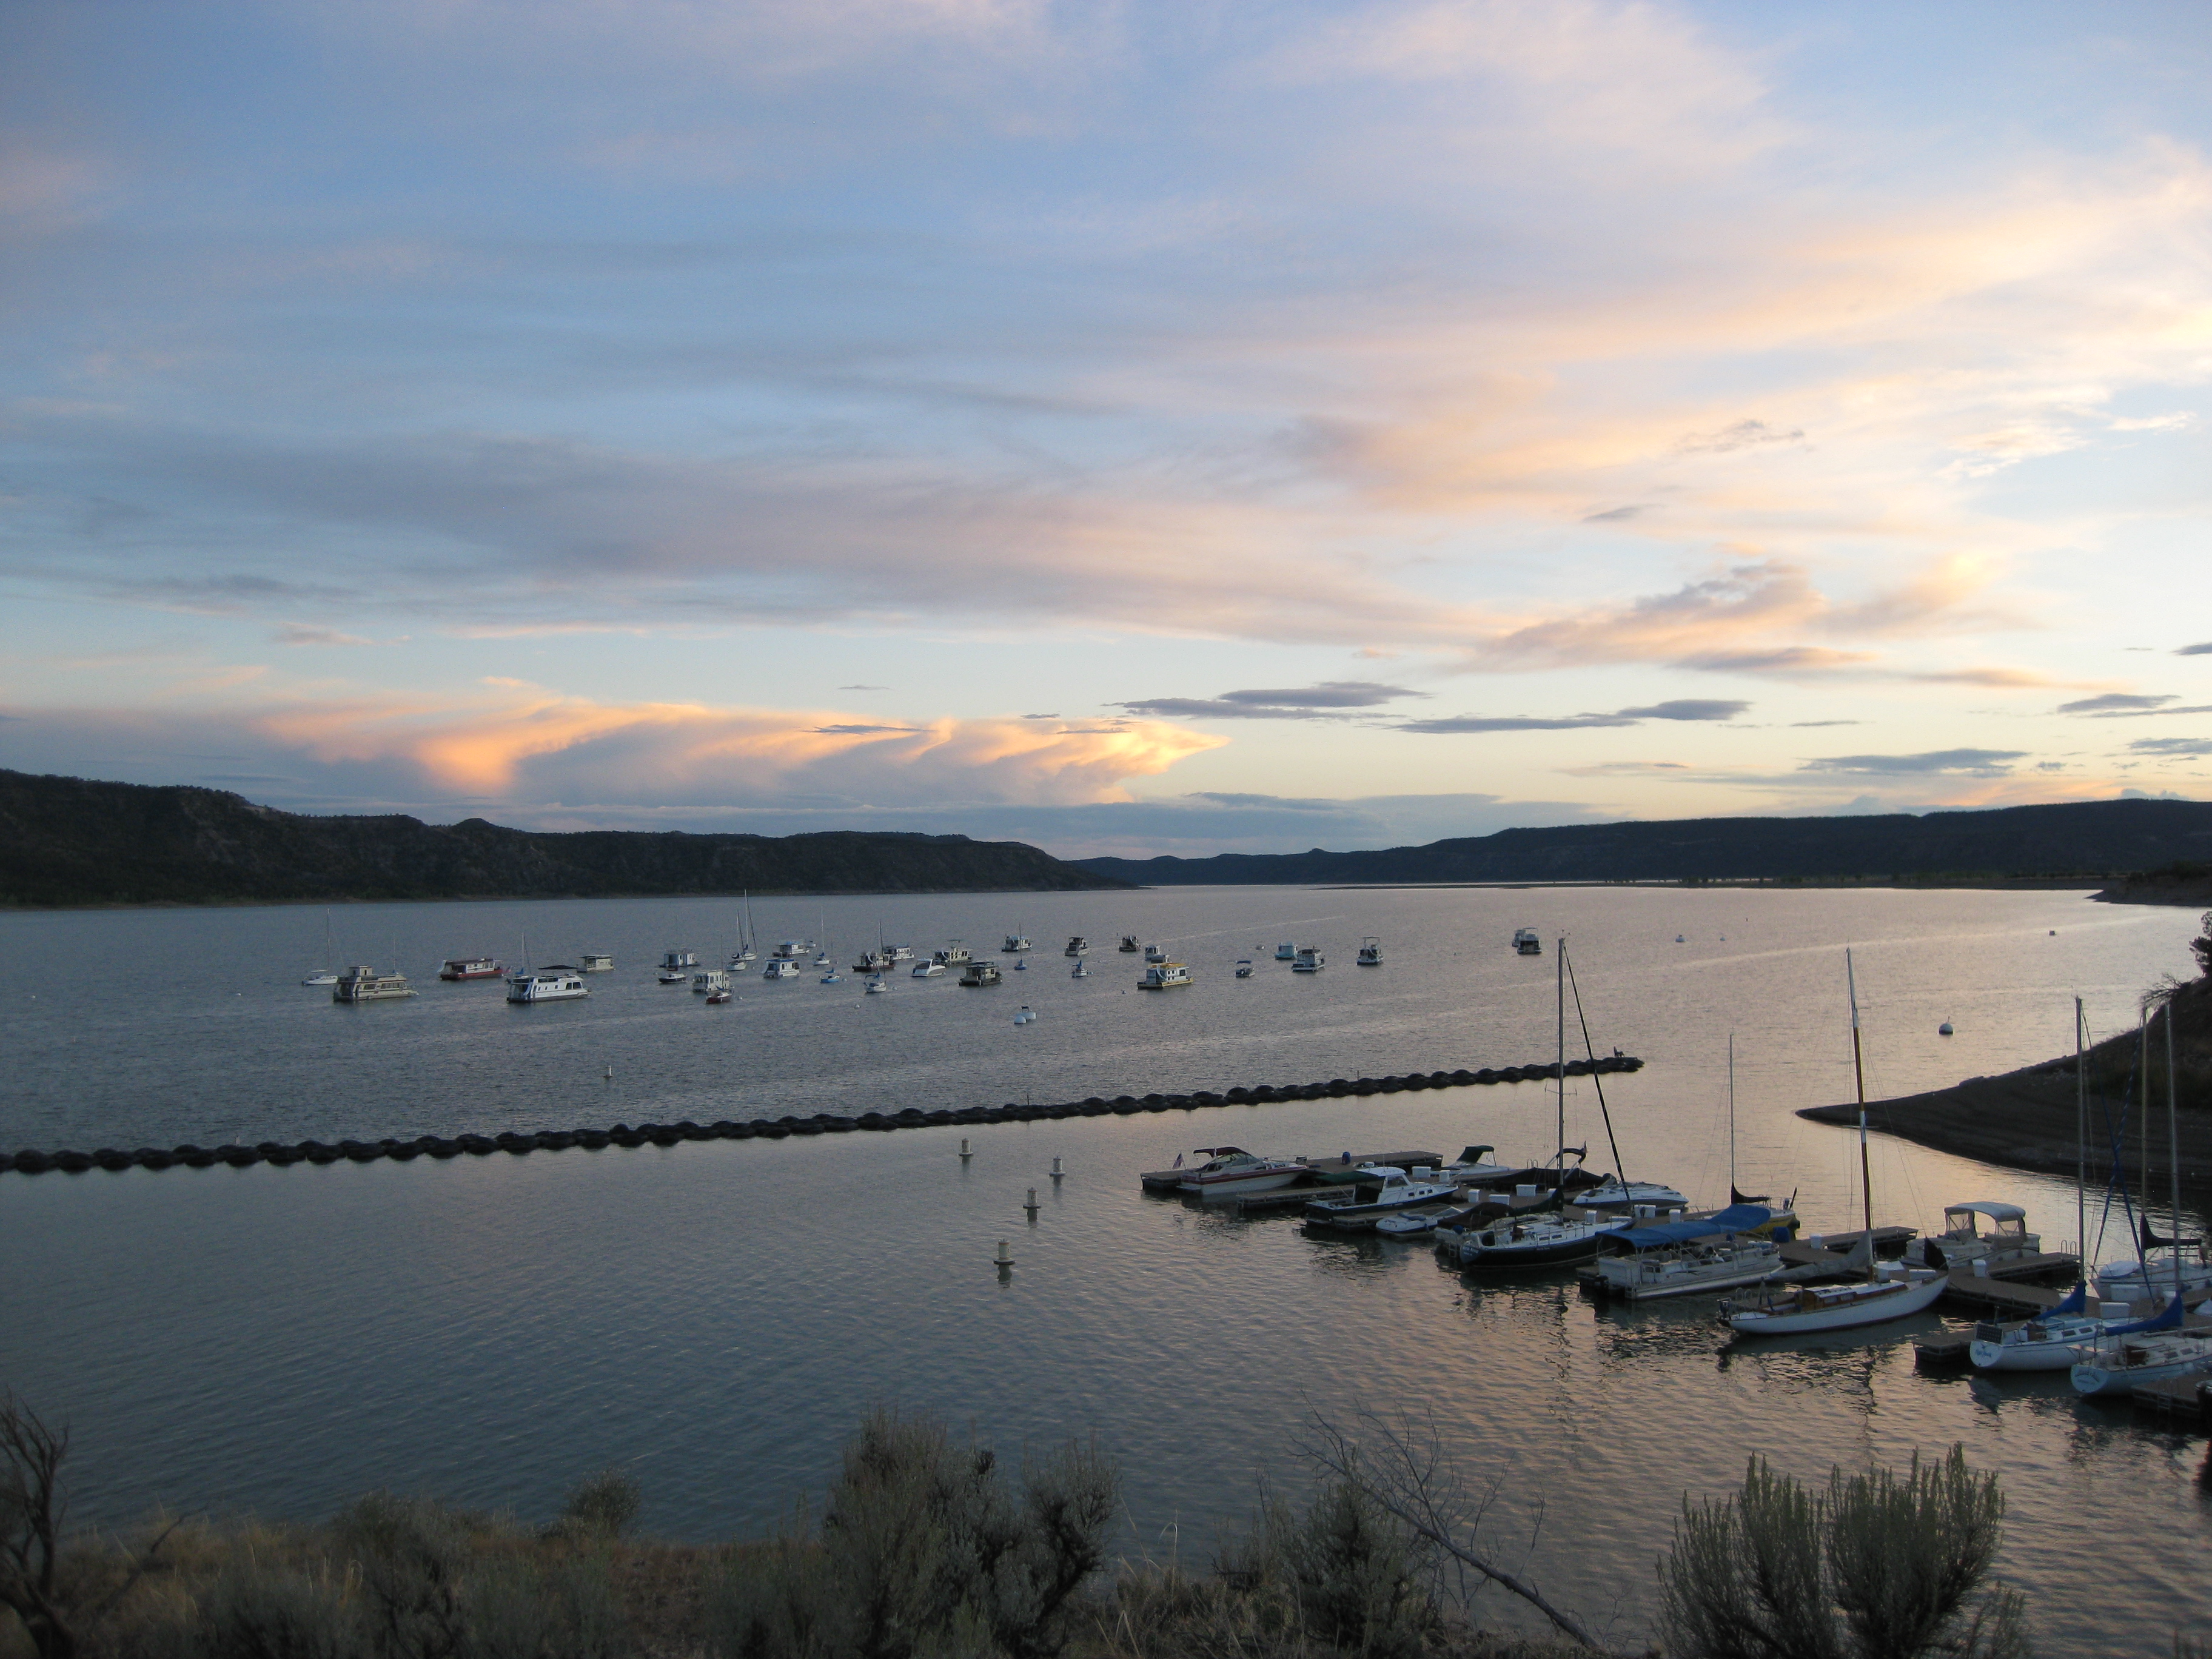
470 967
1231 1172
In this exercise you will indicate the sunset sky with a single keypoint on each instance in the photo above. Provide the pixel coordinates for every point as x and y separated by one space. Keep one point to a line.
1127 427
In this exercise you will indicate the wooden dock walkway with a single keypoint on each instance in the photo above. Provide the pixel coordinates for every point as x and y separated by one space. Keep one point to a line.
2183 1397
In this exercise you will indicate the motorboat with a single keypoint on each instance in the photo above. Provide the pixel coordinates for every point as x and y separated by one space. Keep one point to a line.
1162 976
1286 952
928 969
362 983
1308 960
2140 1281
321 976
1243 966
792 950
873 962
1535 1239
1718 1252
1526 941
1128 945
2118 1364
1896 1292
902 953
456 968
1472 1169
953 956
1371 953
1231 1172
1154 953
559 983
1079 971
1614 1194
876 986
595 961
1416 1224
780 968
707 980
1025 1015
1393 1188
1016 943
716 998
979 972
1077 944
833 977
1960 1244
676 967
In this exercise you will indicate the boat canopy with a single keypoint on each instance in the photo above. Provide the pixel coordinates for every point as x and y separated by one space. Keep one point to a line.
1995 1211
1736 1218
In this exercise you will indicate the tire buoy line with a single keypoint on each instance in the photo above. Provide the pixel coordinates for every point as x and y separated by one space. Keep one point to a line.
32 1161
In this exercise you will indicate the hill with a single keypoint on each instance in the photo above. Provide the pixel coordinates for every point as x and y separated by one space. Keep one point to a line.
66 842
2090 841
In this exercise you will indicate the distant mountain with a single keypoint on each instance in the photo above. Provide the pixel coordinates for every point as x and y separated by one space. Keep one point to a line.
2088 839
68 842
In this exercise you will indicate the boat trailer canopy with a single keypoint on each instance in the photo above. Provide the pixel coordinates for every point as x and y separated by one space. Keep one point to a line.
1997 1212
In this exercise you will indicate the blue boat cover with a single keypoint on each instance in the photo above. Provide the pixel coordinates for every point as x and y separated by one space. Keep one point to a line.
2078 1300
2165 1320
1736 1218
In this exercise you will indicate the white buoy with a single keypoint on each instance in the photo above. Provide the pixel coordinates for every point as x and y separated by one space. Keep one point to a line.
1057 1172
611 1074
965 1153
1031 1206
1005 1261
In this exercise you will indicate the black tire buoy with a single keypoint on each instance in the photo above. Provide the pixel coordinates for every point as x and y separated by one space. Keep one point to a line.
72 1163
31 1161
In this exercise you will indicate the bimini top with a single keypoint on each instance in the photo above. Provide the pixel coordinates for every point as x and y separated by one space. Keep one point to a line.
1736 1218
1995 1211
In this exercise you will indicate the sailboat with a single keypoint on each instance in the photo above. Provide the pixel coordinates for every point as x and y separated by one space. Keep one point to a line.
744 952
2135 1281
2117 1363
1543 1237
1889 1291
325 976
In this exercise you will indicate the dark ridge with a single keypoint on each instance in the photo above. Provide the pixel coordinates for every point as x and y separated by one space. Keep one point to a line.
2090 842
68 842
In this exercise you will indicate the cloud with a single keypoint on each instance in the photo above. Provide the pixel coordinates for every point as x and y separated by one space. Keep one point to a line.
1973 763
864 687
2187 746
861 731
2204 649
2115 703
1677 708
294 634
1741 435
1307 702
1616 514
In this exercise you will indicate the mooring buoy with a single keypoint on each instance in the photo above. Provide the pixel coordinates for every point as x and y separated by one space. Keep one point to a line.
1057 1172
1005 1261
1031 1206
965 1153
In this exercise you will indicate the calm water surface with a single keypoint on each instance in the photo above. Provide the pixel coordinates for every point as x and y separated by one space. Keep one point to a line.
717 1314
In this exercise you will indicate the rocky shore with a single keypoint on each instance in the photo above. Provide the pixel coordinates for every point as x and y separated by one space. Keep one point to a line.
2026 1120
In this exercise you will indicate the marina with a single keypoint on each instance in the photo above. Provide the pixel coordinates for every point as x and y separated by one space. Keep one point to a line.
566 1269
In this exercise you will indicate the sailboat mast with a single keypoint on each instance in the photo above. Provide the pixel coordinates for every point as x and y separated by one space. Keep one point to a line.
1559 1074
2172 1148
1731 1117
2081 1146
1858 1072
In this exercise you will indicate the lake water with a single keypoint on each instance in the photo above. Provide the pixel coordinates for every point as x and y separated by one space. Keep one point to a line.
716 1315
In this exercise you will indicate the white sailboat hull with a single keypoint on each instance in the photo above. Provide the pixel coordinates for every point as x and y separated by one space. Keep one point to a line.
2025 1356
1901 1302
2092 1379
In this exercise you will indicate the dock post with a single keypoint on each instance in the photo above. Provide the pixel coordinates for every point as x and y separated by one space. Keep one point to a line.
1031 1206
1005 1261
1057 1172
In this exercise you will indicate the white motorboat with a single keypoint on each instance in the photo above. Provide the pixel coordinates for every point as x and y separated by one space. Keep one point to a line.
1286 952
1230 1171
362 983
980 972
1525 941
716 998
707 980
780 968
321 976
676 967
595 961
1416 1224
928 969
1393 1188
1615 1193
876 986
1129 946
2117 1365
1243 966
1163 975
1718 1252
1077 944
1016 943
1371 953
1025 1015
559 983
1960 1243
2138 1281
1535 1239
1154 953
1472 1169
1308 960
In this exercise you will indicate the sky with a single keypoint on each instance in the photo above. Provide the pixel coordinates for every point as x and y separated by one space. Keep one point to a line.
1130 428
